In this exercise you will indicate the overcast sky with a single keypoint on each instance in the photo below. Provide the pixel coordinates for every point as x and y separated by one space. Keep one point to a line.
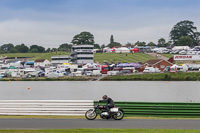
52 22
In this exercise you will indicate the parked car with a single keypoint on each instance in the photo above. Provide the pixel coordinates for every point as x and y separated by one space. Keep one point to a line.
125 72
175 52
88 73
110 73
166 51
167 69
183 52
77 73
191 52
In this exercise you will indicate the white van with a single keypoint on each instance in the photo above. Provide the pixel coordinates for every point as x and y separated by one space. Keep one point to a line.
96 73
191 52
151 70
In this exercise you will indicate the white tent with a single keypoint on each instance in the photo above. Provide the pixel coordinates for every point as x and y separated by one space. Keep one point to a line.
122 50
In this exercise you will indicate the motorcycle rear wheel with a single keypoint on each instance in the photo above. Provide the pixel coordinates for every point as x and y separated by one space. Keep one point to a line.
91 115
119 115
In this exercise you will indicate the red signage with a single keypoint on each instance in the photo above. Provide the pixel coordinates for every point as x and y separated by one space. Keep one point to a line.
186 57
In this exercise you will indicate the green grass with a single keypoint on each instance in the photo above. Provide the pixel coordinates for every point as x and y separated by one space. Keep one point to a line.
167 55
189 76
99 131
116 57
108 57
35 56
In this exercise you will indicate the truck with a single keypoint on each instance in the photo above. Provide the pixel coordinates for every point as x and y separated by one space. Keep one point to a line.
104 69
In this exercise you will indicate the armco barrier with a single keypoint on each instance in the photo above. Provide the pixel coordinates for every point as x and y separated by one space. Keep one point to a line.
159 109
45 107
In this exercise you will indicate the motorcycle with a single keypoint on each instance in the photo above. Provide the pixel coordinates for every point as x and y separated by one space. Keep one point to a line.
115 113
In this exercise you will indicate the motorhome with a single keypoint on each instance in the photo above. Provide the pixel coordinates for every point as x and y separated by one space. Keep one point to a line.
176 68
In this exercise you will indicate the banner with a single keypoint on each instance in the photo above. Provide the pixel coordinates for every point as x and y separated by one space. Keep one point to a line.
186 57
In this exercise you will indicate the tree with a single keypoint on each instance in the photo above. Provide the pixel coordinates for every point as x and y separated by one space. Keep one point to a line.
34 50
48 50
22 48
161 42
53 49
140 43
6 47
151 44
96 46
111 39
83 38
185 41
129 44
113 43
185 28
103 46
13 50
37 49
65 47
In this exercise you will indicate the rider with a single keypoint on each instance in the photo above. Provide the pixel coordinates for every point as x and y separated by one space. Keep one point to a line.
109 101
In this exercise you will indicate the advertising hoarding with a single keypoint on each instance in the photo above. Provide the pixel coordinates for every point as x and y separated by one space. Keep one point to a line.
186 57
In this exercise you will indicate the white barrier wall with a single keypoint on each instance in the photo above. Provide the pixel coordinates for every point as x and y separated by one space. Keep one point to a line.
45 107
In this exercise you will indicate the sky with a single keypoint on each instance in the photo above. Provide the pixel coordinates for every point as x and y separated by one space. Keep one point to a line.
50 23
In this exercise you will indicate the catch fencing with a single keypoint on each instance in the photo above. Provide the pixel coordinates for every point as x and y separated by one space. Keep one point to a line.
45 107
159 109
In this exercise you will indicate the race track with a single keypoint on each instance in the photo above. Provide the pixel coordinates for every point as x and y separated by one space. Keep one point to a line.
83 123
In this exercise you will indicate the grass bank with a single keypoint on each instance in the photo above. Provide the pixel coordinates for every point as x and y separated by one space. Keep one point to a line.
83 78
100 57
100 131
189 76
116 57
35 56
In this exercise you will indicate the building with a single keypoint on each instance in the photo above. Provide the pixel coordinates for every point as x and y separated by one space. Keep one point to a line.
42 62
55 60
158 63
82 54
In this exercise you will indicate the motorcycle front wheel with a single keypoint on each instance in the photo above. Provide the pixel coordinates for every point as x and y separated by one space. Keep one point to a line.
91 115
119 115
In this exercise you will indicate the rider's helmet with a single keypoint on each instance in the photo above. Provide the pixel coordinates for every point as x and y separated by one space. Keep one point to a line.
104 97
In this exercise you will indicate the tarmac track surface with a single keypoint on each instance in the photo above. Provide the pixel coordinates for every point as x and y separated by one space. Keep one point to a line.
83 123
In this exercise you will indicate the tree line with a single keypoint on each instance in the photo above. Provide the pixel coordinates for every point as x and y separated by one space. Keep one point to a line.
184 33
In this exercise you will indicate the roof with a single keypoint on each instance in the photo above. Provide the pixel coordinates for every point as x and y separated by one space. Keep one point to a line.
83 45
60 56
40 60
155 61
12 60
